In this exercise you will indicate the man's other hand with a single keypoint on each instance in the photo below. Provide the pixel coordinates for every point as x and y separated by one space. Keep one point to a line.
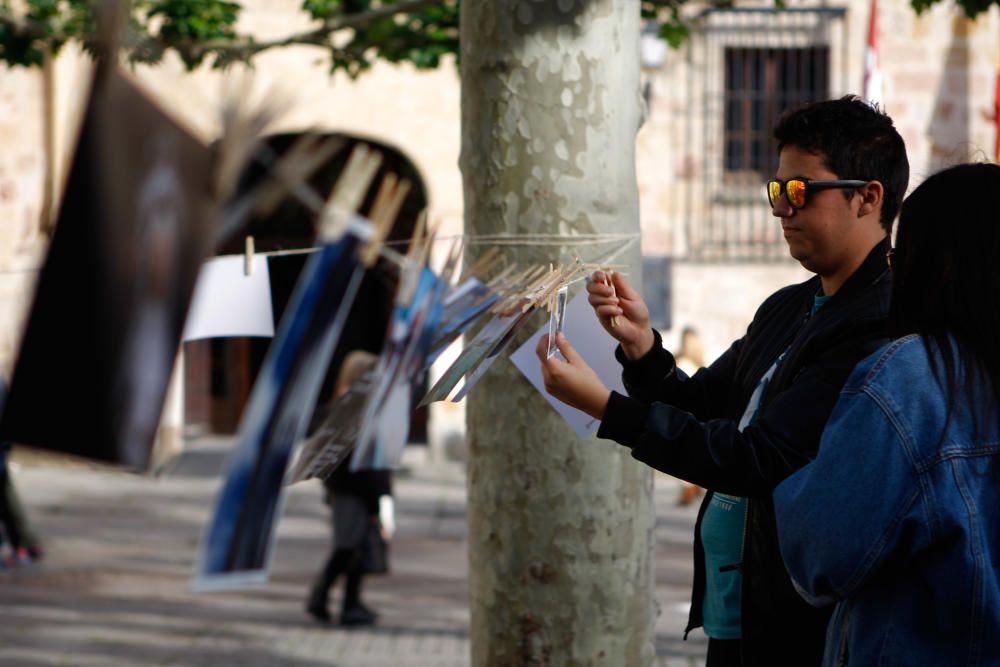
572 381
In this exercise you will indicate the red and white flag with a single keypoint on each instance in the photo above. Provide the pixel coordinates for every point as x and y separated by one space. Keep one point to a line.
873 71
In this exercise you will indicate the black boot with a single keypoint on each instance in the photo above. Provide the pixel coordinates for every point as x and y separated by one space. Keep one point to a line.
319 595
316 605
356 616
354 613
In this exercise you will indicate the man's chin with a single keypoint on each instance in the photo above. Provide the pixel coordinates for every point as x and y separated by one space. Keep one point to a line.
801 256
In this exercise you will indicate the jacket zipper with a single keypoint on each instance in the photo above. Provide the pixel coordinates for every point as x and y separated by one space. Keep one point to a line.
842 650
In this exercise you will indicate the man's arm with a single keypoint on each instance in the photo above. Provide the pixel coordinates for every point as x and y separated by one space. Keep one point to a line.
715 453
651 376
648 370
656 378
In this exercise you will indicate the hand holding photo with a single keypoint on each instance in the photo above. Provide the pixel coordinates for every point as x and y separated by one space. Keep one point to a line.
571 379
592 343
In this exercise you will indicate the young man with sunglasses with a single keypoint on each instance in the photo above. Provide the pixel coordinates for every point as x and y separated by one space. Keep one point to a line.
754 416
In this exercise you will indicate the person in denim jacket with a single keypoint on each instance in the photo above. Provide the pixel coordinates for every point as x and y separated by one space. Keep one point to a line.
897 520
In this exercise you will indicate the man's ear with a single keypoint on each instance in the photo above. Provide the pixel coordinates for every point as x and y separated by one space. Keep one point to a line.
871 198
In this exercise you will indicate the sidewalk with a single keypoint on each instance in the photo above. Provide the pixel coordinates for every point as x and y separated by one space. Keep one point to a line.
113 590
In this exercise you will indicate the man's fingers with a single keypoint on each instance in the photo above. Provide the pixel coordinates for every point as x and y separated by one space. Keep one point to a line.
601 304
608 311
542 349
568 351
625 290
599 290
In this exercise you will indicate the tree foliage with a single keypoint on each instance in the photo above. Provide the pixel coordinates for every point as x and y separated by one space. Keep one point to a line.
353 33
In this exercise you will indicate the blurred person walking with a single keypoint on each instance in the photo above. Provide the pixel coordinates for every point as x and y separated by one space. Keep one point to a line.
25 546
360 503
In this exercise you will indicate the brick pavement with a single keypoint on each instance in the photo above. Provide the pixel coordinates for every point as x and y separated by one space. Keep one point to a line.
113 590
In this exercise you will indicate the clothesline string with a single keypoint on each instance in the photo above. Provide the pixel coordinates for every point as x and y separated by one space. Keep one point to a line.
499 239
610 257
531 239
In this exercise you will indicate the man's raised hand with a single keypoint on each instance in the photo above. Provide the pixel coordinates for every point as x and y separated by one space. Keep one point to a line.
620 301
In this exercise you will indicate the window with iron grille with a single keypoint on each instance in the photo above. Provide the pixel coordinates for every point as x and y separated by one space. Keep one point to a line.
761 83
748 65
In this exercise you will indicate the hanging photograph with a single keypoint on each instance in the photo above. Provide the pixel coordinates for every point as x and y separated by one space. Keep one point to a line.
239 540
134 227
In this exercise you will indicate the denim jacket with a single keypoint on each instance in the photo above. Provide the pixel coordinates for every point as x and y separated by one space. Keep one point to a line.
897 520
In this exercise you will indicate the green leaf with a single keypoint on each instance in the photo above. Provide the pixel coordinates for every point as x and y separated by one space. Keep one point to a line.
675 33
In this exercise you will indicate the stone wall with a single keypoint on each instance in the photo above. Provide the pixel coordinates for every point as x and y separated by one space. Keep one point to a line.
22 177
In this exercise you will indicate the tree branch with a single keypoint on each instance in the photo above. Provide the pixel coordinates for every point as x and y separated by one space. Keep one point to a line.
321 36
241 47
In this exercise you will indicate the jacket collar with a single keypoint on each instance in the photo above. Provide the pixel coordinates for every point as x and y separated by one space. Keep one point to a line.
871 271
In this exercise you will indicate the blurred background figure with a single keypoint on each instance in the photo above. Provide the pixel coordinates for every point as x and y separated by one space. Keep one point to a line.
25 547
689 358
361 503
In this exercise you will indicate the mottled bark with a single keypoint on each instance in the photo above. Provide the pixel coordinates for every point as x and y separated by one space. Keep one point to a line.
560 529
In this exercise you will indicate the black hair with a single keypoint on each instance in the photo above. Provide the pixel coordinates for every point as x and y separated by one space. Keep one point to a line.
945 275
857 141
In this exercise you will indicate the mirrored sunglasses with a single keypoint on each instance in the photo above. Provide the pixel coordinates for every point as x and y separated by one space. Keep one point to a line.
797 189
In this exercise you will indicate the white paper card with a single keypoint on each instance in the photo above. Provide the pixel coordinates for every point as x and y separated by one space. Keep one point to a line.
229 303
593 343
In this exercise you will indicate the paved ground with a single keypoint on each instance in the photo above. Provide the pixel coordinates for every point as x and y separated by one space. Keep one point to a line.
113 590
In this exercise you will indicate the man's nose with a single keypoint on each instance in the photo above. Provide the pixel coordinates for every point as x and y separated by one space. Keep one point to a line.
781 208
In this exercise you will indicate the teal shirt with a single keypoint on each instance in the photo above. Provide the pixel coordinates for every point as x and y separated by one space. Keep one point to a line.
722 529
722 540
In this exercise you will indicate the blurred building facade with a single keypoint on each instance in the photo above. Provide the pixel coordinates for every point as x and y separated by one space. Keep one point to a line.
712 250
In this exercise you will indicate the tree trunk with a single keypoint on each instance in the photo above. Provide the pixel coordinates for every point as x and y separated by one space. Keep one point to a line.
560 529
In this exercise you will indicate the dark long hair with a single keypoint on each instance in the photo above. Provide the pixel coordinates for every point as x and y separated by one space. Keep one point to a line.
946 277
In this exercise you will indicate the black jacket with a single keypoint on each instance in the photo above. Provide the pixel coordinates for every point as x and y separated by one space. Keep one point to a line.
687 427
368 484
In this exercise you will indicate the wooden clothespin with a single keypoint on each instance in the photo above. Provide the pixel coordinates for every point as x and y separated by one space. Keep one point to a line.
452 259
248 257
388 202
415 249
413 266
291 171
504 282
428 244
496 281
482 266
520 287
540 292
349 192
